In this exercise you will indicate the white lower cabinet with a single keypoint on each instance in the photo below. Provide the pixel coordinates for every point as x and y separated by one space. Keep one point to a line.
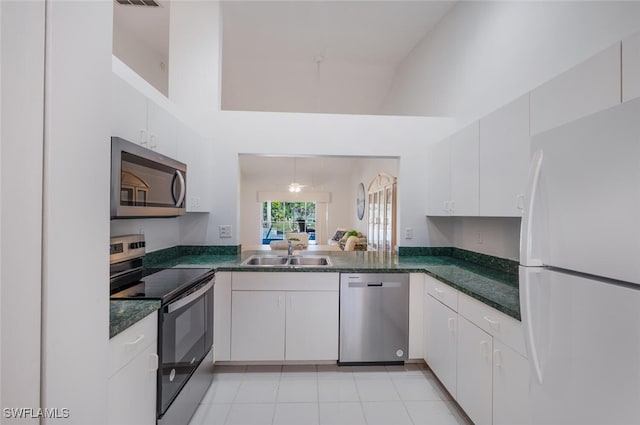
311 326
510 386
477 353
416 316
441 341
284 316
475 372
222 317
257 325
132 384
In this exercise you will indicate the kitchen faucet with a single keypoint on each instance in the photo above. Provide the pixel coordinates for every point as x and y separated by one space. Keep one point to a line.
291 247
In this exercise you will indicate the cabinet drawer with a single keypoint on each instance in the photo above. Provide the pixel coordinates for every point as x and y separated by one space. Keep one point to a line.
442 292
125 346
501 326
285 281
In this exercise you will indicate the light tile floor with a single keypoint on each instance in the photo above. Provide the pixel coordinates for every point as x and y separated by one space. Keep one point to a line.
327 395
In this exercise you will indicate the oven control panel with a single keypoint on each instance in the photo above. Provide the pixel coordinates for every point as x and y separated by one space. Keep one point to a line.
126 247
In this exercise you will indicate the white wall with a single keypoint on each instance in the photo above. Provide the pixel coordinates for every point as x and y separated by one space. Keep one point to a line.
499 237
304 86
194 54
484 54
324 134
21 123
142 58
76 210
194 85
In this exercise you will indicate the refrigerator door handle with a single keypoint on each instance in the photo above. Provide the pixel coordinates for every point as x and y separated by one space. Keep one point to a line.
528 330
526 251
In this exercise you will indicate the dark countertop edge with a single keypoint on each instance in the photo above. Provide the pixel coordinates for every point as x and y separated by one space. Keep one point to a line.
506 310
132 312
336 269
123 324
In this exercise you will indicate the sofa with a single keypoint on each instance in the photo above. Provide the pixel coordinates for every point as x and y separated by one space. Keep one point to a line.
349 243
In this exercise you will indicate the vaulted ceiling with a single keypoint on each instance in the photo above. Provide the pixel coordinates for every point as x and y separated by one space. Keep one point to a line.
336 56
318 56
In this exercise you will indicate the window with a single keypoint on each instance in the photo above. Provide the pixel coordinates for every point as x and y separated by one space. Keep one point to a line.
280 217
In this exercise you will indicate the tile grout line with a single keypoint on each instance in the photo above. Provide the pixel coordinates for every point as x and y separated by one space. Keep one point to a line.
401 400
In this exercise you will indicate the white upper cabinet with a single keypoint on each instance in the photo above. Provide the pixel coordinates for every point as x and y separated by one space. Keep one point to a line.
589 87
631 67
465 171
128 112
161 130
138 119
504 159
452 174
438 179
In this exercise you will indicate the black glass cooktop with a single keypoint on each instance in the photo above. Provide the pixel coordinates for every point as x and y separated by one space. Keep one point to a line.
165 285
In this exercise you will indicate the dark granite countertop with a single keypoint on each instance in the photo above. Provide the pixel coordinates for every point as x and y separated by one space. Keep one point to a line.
498 289
124 313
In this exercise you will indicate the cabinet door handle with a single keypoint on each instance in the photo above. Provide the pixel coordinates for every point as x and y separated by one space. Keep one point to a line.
492 323
135 341
484 348
153 362
439 291
451 324
291 302
497 354
520 202
143 138
279 301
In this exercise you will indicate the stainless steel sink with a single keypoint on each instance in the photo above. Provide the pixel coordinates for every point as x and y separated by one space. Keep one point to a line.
309 261
287 261
260 260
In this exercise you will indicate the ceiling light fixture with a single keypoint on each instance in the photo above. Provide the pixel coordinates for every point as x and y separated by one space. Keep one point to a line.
295 187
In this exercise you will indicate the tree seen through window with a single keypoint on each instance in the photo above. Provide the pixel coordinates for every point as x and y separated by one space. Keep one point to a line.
280 217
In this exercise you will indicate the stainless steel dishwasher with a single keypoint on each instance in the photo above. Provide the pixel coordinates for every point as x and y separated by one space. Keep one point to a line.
374 318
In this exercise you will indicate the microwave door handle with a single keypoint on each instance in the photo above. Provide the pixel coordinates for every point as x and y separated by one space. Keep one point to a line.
178 175
189 298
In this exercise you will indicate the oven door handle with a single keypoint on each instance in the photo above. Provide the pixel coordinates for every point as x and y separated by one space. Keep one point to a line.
189 298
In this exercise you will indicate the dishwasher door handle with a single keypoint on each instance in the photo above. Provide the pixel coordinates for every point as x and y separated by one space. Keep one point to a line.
374 284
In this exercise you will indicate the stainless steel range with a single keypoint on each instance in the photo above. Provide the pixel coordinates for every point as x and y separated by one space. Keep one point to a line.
185 324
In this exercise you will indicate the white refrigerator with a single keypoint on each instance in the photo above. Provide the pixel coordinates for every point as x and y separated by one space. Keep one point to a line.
580 271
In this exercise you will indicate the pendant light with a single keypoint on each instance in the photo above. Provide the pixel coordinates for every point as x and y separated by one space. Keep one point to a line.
294 186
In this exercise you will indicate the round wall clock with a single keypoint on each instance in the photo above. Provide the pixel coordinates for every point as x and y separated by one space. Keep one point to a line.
360 197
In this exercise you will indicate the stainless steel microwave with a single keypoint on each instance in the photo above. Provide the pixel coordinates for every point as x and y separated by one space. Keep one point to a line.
145 183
